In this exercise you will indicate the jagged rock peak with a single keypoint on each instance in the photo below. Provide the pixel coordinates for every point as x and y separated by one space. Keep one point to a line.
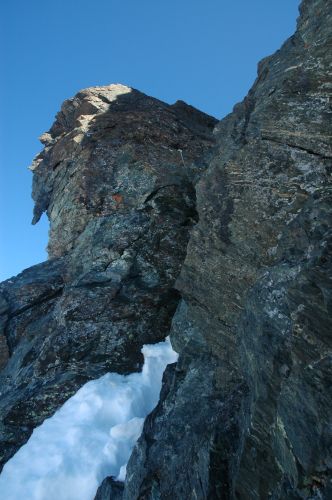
246 411
99 142
117 179
84 106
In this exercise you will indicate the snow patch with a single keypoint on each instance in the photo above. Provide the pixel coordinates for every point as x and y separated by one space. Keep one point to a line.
90 437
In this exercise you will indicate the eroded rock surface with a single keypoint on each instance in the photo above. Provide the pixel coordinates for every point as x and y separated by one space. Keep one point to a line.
247 411
117 180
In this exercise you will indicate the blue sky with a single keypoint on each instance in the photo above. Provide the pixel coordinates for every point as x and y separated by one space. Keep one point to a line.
204 52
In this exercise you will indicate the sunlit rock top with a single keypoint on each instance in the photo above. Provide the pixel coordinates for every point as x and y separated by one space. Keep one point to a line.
107 150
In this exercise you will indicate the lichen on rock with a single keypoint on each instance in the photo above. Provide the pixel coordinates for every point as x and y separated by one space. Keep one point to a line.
250 399
163 220
121 202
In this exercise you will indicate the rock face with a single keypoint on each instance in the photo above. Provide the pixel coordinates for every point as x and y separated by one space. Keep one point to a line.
116 178
246 411
110 489
110 151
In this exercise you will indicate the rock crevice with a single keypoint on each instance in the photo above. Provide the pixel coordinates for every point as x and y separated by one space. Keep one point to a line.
256 299
121 204
165 220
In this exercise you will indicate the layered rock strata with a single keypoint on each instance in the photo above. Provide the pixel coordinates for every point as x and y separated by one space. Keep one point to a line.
117 179
246 413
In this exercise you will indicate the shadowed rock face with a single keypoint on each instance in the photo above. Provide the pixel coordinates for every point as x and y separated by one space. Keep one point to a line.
246 413
116 178
109 151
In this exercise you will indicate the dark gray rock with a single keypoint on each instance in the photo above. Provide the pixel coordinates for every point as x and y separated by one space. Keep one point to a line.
109 490
4 354
121 203
246 411
248 415
109 152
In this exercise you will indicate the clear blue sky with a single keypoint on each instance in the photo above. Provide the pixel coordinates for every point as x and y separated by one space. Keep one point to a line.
202 51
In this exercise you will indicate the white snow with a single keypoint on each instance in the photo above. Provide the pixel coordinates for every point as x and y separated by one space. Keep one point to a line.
90 437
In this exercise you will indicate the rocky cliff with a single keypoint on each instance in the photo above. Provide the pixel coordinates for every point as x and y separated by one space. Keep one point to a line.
223 240
117 180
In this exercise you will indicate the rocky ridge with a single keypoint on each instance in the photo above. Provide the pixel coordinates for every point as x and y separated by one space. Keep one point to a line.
246 413
117 179
238 270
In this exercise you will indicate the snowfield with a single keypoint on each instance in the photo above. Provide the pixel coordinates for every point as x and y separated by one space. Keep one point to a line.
90 437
